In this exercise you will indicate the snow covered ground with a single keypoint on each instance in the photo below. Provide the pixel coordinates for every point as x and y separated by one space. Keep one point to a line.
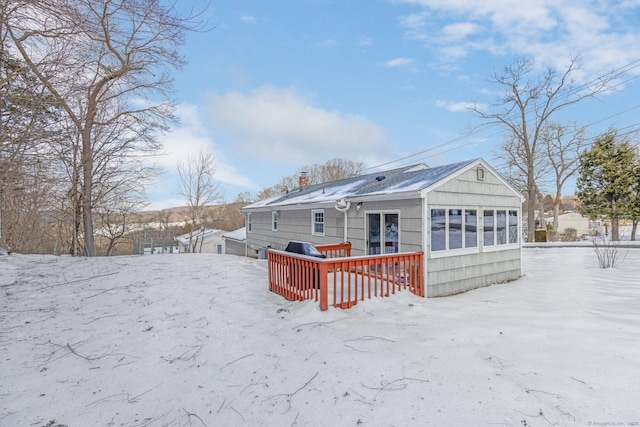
198 340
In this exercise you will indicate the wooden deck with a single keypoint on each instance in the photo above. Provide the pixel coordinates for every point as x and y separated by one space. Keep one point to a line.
341 278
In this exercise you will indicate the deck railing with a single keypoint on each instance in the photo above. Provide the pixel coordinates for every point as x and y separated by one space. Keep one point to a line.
346 280
335 250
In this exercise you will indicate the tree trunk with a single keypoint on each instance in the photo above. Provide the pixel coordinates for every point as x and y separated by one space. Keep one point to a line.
87 193
112 244
531 213
0 210
556 210
543 223
634 229
189 247
615 230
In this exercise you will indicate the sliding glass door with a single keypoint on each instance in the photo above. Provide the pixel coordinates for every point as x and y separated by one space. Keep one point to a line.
382 233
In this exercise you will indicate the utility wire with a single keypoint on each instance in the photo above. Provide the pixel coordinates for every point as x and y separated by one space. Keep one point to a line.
612 75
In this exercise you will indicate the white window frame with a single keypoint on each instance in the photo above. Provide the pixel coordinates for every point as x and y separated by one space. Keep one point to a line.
507 245
313 222
274 220
249 224
381 213
458 251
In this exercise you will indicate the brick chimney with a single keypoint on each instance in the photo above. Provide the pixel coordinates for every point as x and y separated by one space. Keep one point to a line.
303 179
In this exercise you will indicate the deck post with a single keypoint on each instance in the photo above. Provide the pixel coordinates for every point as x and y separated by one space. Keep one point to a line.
324 292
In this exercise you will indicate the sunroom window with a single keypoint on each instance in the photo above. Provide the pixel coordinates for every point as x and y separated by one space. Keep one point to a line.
454 228
500 227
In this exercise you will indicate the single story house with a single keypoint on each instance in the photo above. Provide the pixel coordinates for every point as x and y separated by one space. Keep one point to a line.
582 224
465 218
204 240
235 242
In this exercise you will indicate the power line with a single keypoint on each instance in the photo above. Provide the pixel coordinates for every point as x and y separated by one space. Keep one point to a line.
612 75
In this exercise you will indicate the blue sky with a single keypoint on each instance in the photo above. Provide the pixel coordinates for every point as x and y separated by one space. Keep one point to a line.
277 85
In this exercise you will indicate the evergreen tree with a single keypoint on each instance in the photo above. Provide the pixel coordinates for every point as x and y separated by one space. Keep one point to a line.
634 204
605 184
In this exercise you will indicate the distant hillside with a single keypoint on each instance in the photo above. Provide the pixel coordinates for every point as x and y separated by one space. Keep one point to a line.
224 216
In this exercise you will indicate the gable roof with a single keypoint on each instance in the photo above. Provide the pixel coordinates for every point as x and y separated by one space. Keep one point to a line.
240 235
199 234
392 184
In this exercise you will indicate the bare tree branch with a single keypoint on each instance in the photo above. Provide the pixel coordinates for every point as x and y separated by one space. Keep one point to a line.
524 111
198 187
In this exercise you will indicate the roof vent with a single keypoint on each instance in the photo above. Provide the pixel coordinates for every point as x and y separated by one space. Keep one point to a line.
380 178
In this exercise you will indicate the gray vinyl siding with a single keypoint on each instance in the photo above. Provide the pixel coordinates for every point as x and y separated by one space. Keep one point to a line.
458 273
466 190
296 225
234 247
410 214
293 225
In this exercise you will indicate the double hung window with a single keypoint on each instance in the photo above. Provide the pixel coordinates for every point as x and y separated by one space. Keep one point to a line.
317 222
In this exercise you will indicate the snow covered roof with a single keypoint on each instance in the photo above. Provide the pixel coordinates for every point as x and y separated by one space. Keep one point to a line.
198 234
392 182
240 234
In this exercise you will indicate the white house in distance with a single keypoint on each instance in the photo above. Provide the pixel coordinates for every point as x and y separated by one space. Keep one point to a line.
465 218
207 240
235 242
582 224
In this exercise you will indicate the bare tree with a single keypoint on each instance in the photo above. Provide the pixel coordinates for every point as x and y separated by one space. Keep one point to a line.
106 64
563 144
27 178
198 186
337 169
163 218
226 216
525 109
333 170
115 215
244 197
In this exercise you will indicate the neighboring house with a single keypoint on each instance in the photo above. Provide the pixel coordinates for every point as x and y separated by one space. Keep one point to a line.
235 242
465 217
205 240
582 224
154 242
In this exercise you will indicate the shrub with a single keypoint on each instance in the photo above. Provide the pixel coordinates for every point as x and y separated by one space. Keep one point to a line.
607 252
541 235
570 235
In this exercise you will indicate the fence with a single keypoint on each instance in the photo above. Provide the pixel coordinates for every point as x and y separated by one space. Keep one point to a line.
348 279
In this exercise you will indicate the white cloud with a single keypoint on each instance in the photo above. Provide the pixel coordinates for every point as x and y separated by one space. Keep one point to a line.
458 31
327 44
279 125
248 19
365 41
549 30
458 107
399 63
190 138
415 21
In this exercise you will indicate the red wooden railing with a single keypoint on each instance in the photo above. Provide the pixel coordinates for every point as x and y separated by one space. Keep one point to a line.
348 279
335 250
